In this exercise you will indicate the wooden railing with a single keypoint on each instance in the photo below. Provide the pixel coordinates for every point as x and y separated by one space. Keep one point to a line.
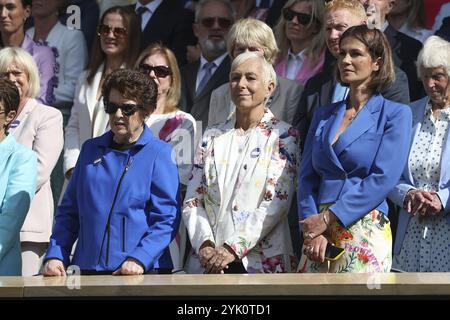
261 285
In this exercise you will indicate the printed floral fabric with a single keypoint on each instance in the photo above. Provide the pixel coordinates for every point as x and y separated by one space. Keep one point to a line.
367 244
250 215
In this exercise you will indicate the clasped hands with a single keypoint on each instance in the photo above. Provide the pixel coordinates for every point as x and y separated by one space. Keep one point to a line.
215 260
422 202
313 228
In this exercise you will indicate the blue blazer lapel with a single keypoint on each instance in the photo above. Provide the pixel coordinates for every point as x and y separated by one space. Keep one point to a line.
365 120
329 128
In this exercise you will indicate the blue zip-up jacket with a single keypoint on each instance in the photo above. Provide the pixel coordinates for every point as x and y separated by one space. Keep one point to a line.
119 205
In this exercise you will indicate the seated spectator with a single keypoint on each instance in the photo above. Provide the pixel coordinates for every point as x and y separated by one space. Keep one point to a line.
347 168
213 19
423 235
116 46
166 22
405 49
121 203
170 124
13 35
17 182
300 36
408 16
38 127
254 35
70 47
238 198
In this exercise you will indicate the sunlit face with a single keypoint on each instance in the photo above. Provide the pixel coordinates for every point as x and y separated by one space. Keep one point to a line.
297 32
163 83
247 86
238 49
126 129
212 28
356 66
336 22
378 7
112 44
19 77
12 15
437 85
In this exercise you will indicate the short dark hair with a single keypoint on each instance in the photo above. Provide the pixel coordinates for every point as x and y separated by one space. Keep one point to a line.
132 85
379 48
9 95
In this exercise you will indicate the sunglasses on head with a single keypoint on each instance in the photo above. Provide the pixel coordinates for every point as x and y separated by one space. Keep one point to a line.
223 23
302 18
160 71
119 32
128 109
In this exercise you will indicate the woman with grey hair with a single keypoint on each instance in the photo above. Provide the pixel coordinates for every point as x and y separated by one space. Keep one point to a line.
237 200
422 242
40 128
254 35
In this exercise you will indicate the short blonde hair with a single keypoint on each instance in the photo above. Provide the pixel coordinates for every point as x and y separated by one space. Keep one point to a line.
354 6
174 92
24 61
246 32
434 54
268 72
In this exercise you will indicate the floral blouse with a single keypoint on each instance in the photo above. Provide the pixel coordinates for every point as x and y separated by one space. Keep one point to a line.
240 192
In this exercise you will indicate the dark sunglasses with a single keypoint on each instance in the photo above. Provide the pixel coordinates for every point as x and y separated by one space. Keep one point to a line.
160 71
128 109
103 30
224 23
302 18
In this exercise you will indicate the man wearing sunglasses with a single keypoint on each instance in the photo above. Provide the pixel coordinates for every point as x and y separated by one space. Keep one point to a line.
213 20
166 21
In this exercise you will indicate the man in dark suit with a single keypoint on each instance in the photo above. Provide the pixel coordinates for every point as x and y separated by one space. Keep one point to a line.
198 79
168 22
404 48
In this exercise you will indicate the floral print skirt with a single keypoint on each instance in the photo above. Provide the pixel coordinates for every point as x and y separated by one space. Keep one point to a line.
367 244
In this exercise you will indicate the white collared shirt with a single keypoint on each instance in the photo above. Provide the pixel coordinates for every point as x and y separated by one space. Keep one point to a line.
294 63
151 6
201 71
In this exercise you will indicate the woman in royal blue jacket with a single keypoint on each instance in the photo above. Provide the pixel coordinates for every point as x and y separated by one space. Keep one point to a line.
122 202
354 155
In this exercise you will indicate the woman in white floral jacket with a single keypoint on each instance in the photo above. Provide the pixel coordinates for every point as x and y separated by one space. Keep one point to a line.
245 170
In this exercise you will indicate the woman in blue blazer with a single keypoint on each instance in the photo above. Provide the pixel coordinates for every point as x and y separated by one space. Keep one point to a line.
422 241
354 155
18 172
122 201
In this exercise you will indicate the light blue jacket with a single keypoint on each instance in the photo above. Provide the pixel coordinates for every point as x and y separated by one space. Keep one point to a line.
18 172
119 205
362 167
397 195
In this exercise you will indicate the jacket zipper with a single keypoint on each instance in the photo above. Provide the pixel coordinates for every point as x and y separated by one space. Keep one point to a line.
108 223
123 234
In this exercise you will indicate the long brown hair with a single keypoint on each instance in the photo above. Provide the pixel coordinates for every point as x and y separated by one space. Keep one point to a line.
131 23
